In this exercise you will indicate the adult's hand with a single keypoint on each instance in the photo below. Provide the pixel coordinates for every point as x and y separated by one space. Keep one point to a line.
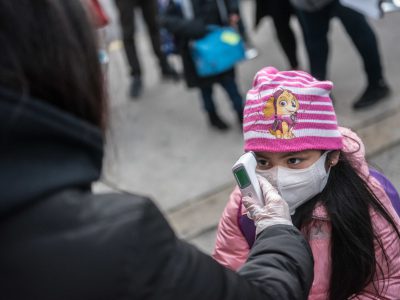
275 211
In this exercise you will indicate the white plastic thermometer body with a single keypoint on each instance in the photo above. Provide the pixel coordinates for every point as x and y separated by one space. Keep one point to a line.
244 171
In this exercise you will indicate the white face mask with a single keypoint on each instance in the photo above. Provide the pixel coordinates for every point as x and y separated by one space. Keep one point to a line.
297 186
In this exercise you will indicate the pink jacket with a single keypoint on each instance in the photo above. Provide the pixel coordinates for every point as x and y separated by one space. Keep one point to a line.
231 249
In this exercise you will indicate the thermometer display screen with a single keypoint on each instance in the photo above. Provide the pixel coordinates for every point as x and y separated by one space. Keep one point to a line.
242 178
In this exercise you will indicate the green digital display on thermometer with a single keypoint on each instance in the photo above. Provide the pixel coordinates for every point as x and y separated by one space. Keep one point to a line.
242 178
244 171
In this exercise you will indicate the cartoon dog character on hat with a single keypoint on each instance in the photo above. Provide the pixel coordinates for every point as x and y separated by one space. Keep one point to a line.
283 107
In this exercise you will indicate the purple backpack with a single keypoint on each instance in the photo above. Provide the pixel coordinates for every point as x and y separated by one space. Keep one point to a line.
249 230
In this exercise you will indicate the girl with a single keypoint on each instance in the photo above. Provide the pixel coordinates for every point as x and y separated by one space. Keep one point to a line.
321 172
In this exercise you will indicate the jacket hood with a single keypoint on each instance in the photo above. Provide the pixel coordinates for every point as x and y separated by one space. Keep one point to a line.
43 150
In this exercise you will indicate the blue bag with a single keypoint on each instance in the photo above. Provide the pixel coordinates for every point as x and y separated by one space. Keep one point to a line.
218 51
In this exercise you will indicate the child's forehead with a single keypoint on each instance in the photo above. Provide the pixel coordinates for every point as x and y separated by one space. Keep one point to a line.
287 154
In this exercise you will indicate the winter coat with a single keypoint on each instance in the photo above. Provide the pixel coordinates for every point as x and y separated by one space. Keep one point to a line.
232 248
60 241
205 13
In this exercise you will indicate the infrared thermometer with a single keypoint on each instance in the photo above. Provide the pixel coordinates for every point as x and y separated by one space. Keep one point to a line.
244 171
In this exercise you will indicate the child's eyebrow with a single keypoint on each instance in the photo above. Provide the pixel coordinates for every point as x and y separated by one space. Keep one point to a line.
284 155
292 154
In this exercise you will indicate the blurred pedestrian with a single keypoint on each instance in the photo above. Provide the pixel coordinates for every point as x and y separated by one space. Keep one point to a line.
189 20
149 10
314 17
320 170
101 20
59 241
281 12
98 14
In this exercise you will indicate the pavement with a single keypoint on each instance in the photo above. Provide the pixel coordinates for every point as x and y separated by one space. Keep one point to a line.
161 145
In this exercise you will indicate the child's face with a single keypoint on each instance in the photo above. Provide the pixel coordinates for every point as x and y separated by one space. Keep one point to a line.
292 160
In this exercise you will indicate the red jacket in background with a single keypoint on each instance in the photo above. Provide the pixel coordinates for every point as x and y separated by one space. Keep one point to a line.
99 15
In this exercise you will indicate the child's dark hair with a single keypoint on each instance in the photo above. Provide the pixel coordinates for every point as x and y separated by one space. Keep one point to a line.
348 198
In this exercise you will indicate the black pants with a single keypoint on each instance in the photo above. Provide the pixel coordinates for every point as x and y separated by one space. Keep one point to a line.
281 13
229 85
315 28
127 19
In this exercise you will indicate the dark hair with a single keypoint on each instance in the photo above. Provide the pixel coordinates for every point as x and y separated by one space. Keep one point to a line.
348 199
49 51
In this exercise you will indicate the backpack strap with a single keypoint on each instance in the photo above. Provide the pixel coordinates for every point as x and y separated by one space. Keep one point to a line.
389 189
246 226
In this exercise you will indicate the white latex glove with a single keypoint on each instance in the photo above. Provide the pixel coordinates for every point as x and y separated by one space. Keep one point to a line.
275 211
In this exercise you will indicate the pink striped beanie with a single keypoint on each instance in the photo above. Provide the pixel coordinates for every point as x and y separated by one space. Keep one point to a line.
289 111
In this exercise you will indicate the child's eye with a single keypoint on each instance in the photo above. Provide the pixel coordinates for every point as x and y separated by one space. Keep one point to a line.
262 164
294 161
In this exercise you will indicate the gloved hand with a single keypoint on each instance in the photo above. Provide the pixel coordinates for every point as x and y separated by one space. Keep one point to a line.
275 211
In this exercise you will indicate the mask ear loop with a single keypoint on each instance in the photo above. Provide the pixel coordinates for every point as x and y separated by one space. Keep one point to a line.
330 162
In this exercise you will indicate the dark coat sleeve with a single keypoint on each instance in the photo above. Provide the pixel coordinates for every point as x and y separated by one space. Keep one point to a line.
173 20
281 263
280 266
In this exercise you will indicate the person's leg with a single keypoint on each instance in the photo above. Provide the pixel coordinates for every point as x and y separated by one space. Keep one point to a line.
127 20
209 106
242 30
150 14
207 97
231 88
281 18
250 51
315 26
364 40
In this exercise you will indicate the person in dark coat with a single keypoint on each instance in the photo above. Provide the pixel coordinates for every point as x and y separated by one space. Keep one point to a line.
60 241
205 12
280 11
314 17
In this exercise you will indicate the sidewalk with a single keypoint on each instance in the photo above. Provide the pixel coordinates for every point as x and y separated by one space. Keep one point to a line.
161 145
